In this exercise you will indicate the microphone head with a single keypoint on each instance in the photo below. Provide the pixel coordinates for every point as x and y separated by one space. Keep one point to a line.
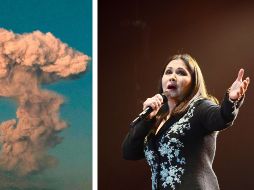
164 96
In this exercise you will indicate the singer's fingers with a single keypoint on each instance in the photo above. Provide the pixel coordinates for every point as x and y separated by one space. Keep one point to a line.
248 79
159 97
153 102
241 91
246 82
157 102
146 104
240 75
153 105
244 85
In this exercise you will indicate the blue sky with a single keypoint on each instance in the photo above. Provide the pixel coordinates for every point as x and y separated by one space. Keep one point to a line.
71 22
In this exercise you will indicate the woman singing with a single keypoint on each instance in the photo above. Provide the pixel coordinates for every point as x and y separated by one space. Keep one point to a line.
178 138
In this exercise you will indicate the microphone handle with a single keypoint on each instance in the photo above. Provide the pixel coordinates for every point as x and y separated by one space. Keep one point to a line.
146 112
142 115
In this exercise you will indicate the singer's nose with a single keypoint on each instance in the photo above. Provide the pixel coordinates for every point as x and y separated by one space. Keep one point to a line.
172 78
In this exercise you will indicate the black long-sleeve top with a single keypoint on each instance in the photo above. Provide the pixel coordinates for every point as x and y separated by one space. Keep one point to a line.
182 152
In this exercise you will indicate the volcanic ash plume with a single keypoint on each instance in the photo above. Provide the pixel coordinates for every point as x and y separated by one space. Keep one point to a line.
26 61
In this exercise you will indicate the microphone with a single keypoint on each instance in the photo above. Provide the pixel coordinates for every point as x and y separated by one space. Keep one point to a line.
147 111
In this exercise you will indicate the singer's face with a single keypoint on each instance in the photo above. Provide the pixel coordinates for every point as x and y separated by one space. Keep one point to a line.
176 80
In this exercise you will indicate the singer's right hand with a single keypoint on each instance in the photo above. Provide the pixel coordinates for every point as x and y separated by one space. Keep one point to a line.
155 102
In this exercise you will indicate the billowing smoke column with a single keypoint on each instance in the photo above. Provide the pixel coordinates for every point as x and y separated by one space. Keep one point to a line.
26 61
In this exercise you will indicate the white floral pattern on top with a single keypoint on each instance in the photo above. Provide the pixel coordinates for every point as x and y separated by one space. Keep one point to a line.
150 157
170 175
169 171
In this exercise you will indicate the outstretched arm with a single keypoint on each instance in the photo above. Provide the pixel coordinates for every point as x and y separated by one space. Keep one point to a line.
215 117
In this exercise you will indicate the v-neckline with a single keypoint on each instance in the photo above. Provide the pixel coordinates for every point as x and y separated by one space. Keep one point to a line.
173 119
168 124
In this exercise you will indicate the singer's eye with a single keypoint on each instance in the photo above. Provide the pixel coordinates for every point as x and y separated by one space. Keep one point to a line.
181 72
167 72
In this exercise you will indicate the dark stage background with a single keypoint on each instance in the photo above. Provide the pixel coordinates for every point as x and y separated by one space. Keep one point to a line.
134 39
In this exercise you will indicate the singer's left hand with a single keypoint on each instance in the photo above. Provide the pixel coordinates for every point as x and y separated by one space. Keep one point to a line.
239 87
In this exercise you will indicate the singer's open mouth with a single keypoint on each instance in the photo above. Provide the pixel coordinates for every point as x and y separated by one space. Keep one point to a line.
171 87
